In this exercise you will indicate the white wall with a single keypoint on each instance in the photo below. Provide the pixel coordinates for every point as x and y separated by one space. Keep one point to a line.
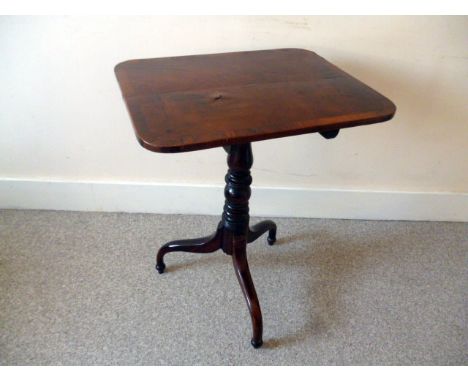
62 117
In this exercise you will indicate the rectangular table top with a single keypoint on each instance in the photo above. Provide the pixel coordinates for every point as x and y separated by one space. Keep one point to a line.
196 102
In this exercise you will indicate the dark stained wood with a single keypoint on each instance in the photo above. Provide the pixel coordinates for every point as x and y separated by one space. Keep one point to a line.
200 245
260 228
198 102
233 232
230 100
239 260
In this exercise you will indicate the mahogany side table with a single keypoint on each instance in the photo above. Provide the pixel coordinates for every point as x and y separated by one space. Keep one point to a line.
232 99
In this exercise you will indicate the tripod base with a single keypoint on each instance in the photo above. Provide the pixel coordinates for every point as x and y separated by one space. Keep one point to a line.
233 232
214 242
234 245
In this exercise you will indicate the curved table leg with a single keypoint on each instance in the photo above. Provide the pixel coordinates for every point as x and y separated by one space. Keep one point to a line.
260 228
241 266
201 245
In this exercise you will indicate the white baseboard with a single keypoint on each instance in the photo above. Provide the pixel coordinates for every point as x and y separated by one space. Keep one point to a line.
205 199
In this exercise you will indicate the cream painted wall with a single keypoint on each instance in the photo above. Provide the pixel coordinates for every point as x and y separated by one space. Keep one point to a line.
62 116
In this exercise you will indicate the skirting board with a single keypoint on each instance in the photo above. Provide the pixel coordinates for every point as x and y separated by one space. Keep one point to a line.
208 200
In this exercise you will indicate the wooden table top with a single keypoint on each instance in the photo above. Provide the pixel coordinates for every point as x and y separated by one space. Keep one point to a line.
198 102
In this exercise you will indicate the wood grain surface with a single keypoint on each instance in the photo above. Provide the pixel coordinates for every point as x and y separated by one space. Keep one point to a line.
197 102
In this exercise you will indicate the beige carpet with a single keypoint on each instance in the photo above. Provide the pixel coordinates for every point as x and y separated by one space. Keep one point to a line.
81 289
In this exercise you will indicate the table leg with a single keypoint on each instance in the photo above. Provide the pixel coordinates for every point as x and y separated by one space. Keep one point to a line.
241 267
201 245
260 228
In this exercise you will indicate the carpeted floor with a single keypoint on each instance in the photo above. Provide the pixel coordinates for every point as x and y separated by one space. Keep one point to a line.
81 289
